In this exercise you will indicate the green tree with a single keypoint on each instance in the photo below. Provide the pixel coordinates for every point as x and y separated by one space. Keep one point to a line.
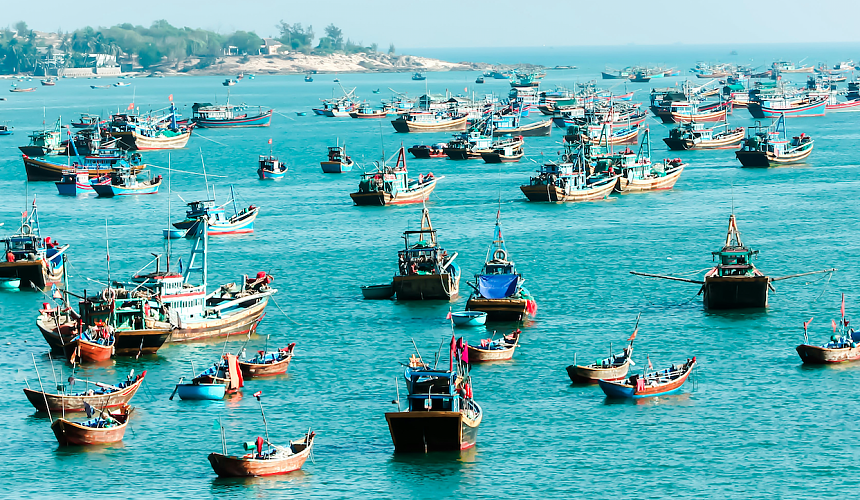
335 35
246 42
149 56
21 28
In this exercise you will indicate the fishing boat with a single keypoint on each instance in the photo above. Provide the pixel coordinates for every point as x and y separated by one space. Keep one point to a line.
29 89
137 328
272 461
96 87
789 67
392 186
425 270
125 182
338 161
649 384
204 213
267 363
45 142
97 164
469 318
378 292
510 125
507 153
229 82
309 78
689 136
368 112
495 349
106 428
430 121
48 82
418 76
269 167
470 144
479 80
843 346
95 344
763 146
208 115
6 130
75 182
685 112
735 282
425 151
498 289
95 394
36 261
637 171
568 181
440 412
611 74
788 106
87 121
121 84
614 367
224 371
153 132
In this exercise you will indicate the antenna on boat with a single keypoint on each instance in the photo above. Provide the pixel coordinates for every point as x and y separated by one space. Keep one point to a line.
205 179
107 251
265 424
168 212
416 347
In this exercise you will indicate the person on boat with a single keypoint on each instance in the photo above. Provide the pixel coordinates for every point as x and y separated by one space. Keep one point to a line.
10 257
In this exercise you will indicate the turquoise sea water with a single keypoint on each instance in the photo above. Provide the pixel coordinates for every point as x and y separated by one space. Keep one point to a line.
753 423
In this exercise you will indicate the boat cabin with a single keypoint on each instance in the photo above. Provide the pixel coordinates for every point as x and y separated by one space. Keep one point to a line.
431 390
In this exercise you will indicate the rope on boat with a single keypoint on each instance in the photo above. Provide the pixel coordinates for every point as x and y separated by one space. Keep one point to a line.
285 116
824 289
189 173
208 139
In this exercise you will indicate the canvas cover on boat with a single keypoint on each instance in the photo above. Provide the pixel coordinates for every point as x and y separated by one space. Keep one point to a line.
497 286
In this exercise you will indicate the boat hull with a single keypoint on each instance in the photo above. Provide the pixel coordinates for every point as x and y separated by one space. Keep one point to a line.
500 309
73 434
136 142
381 198
201 392
263 120
817 355
741 292
426 431
39 170
538 129
728 142
335 167
765 159
455 125
654 184
137 342
589 375
426 286
56 402
247 466
93 352
620 390
242 322
556 194
252 370
478 355
109 191
35 272
758 110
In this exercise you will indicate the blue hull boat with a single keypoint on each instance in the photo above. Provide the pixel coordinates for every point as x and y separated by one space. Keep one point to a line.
10 283
173 234
201 391
469 318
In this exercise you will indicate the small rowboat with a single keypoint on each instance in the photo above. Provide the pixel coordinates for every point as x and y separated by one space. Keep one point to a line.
95 345
844 346
495 350
106 428
277 460
614 367
10 283
102 396
378 292
174 234
469 318
266 364
301 113
649 384
31 89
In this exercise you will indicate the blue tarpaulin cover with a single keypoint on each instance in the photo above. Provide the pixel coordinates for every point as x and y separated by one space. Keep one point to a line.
497 286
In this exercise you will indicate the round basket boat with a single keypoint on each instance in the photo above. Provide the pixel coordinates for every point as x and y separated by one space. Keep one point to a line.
469 318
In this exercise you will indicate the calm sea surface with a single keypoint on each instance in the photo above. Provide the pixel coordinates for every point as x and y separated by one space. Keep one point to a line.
753 423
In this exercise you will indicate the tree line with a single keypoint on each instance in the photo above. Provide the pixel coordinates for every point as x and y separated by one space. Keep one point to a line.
161 42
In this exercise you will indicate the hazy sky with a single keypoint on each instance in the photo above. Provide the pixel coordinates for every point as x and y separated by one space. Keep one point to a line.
467 23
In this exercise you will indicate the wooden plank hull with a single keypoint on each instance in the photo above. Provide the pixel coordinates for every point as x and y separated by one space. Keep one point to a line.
61 338
136 142
499 309
556 194
70 433
735 292
252 370
538 129
765 159
479 355
247 466
59 403
39 170
240 323
727 142
426 286
614 389
136 342
335 167
590 375
93 352
35 272
426 431
455 125
654 184
381 198
817 355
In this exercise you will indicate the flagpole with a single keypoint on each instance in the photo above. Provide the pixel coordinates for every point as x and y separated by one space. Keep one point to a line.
265 424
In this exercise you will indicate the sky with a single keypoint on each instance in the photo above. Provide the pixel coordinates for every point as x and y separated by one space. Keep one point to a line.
467 23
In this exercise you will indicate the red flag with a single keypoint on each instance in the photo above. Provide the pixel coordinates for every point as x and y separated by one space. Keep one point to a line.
634 335
170 98
258 394
843 305
270 140
449 314
833 323
131 106
451 353
806 323
650 366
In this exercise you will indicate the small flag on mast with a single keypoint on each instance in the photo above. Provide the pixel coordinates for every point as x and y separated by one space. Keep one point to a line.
170 98
130 106
270 140
843 305
633 336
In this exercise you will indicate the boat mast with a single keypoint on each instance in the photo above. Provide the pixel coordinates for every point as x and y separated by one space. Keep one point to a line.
733 236
168 212
107 251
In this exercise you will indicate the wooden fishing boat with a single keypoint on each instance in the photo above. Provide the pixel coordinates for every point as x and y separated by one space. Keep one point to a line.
266 364
207 115
567 181
270 168
425 270
368 112
125 182
688 113
29 89
790 107
504 154
536 129
392 186
225 371
647 176
99 396
789 67
309 78
94 345
688 136
501 349
498 289
649 384
137 328
98 164
338 161
430 121
6 130
106 428
842 347
45 142
424 151
48 82
75 182
469 145
28 257
614 367
440 413
763 146
378 292
469 318
163 139
849 105
277 460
